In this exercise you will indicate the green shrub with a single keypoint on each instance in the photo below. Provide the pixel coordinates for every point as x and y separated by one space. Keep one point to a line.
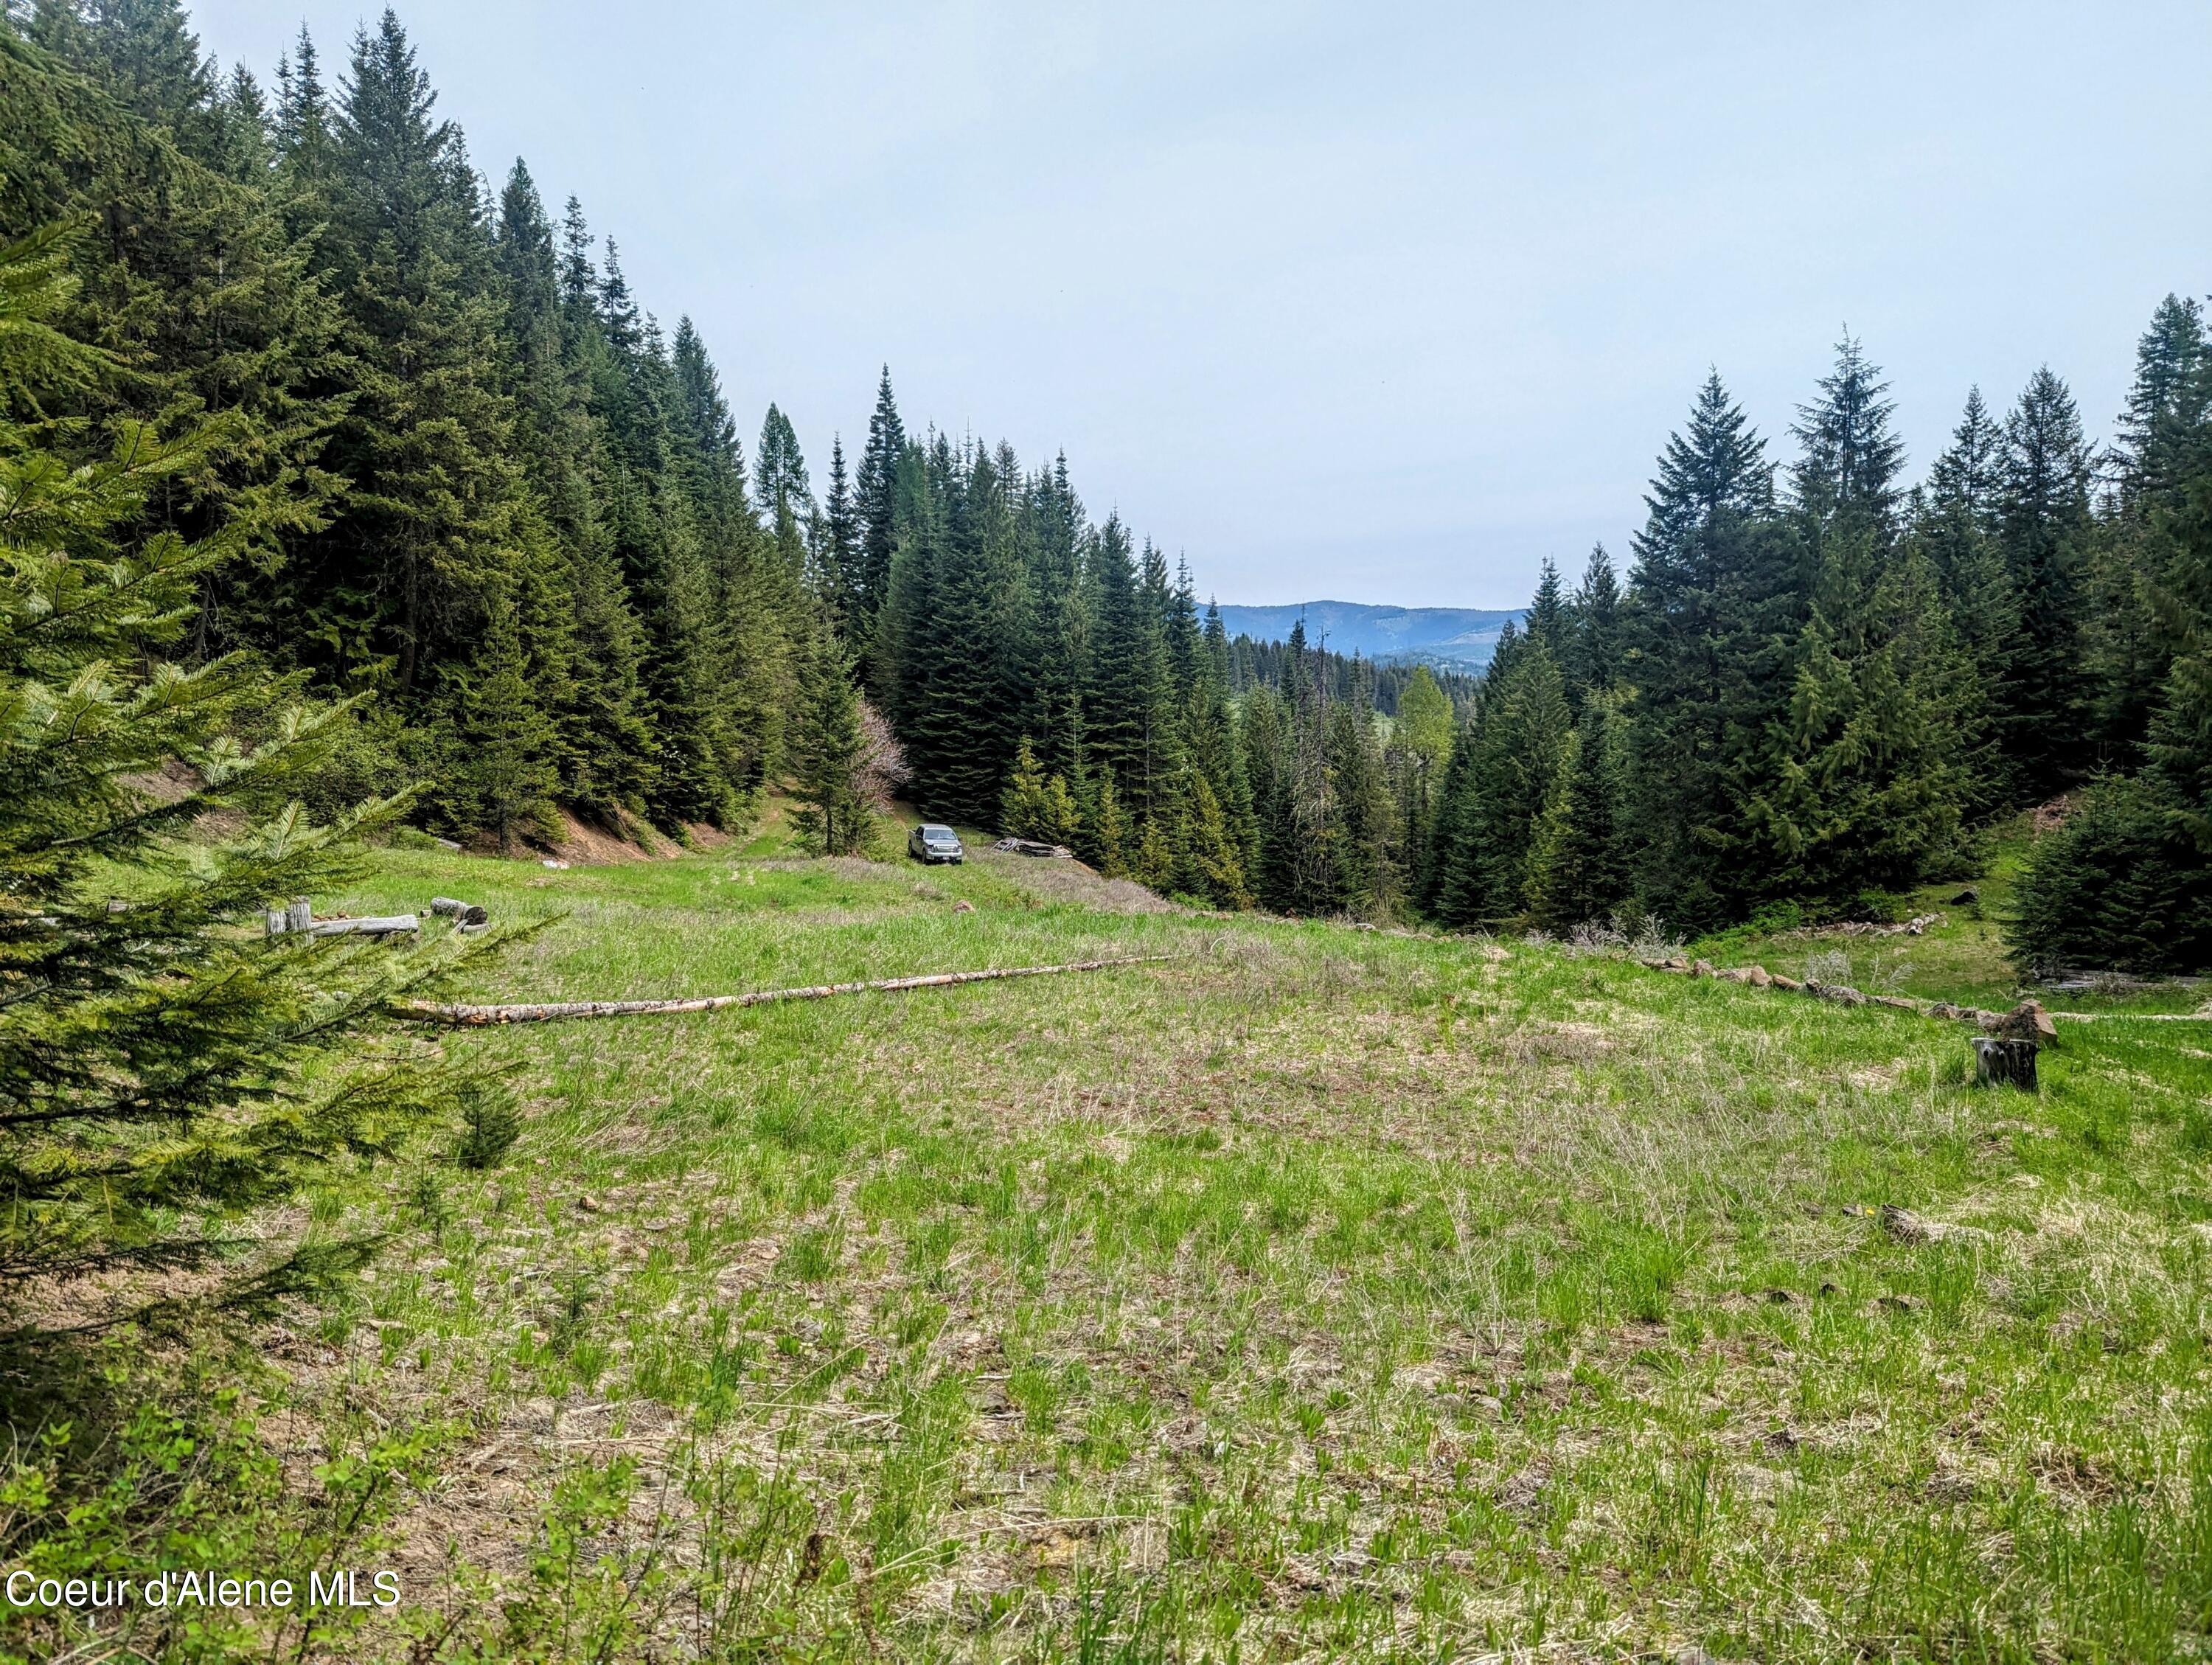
2119 884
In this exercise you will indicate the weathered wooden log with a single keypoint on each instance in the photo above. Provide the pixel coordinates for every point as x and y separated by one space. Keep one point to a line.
295 915
1031 846
2134 1017
555 1012
2003 1063
382 926
464 913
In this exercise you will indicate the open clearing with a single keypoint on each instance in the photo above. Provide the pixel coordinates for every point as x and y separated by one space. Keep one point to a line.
1322 1293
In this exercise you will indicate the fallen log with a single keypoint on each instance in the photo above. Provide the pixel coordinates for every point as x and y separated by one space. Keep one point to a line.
386 925
559 1010
2135 1016
1034 847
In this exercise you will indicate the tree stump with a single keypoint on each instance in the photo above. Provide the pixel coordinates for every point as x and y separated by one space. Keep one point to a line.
2000 1063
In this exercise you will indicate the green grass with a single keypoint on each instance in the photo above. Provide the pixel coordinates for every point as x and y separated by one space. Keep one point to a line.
1961 958
1323 1293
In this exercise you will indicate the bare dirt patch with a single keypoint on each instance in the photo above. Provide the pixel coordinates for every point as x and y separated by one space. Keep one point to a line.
581 842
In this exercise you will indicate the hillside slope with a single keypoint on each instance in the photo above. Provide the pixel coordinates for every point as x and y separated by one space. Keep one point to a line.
1317 1293
1462 637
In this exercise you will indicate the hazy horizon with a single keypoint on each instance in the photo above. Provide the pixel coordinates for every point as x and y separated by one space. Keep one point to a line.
1385 309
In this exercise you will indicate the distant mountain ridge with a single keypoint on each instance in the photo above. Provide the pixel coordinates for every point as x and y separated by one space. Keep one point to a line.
1461 637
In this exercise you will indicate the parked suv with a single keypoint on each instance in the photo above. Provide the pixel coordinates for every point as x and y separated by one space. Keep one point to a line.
927 843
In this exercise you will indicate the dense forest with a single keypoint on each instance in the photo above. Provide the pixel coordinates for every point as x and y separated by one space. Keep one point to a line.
498 511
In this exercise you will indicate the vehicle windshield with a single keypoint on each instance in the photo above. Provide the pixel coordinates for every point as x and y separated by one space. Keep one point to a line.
940 835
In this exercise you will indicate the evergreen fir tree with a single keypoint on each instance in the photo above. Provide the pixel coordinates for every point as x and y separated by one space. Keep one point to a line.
1211 865
841 562
1867 785
1582 873
302 127
2126 644
876 504
830 751
1023 809
2043 534
1420 748
1308 848
1363 847
1954 528
164 1070
1516 759
1590 658
781 490
499 774
1060 629
1105 827
1268 766
1546 618
1128 716
1715 602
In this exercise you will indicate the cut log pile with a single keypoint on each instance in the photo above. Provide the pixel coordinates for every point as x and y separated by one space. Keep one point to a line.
1031 846
298 918
2027 1021
1916 926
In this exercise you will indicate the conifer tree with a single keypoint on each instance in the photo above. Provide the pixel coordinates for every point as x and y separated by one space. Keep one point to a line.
1210 864
1546 618
1128 717
1867 784
302 121
829 751
1311 831
2127 645
781 490
1590 660
1514 762
1714 606
1581 872
164 1071
876 506
1267 763
1420 747
1105 826
1360 833
964 722
1036 805
1055 537
499 772
2043 534
1954 528
840 562
1023 809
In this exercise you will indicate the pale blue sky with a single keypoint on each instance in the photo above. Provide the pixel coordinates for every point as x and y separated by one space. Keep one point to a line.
1378 302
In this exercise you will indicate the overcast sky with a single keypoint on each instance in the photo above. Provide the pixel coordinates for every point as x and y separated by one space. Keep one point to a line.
1377 303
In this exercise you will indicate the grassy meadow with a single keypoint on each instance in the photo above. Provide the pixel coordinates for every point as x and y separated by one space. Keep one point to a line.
1321 1294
